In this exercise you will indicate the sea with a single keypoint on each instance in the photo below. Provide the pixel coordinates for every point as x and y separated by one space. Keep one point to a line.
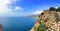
17 23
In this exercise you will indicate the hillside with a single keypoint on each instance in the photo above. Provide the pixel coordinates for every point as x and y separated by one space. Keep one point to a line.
48 20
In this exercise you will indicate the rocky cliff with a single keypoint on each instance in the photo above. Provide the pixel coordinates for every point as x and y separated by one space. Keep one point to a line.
49 19
0 27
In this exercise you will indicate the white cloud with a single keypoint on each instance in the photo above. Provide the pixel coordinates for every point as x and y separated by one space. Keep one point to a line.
37 12
3 6
56 7
5 11
18 8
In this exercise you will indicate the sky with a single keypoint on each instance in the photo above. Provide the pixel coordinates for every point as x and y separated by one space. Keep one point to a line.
25 7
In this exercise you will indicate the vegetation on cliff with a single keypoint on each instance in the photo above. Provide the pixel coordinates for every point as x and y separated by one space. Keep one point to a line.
54 9
41 27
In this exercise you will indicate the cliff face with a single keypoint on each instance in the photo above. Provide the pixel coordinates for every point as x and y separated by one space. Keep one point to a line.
51 19
0 27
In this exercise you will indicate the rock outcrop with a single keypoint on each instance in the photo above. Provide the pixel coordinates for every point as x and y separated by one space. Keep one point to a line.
0 27
51 19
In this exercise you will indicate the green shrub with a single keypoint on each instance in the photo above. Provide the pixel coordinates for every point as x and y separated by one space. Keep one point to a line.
41 28
54 9
58 9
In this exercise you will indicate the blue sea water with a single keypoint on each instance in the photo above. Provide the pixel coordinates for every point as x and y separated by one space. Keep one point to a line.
17 23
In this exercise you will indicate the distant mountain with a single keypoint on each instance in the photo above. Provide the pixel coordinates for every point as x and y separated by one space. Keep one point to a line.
32 15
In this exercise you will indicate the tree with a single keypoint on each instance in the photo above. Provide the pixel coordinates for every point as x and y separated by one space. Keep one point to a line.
52 9
58 9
